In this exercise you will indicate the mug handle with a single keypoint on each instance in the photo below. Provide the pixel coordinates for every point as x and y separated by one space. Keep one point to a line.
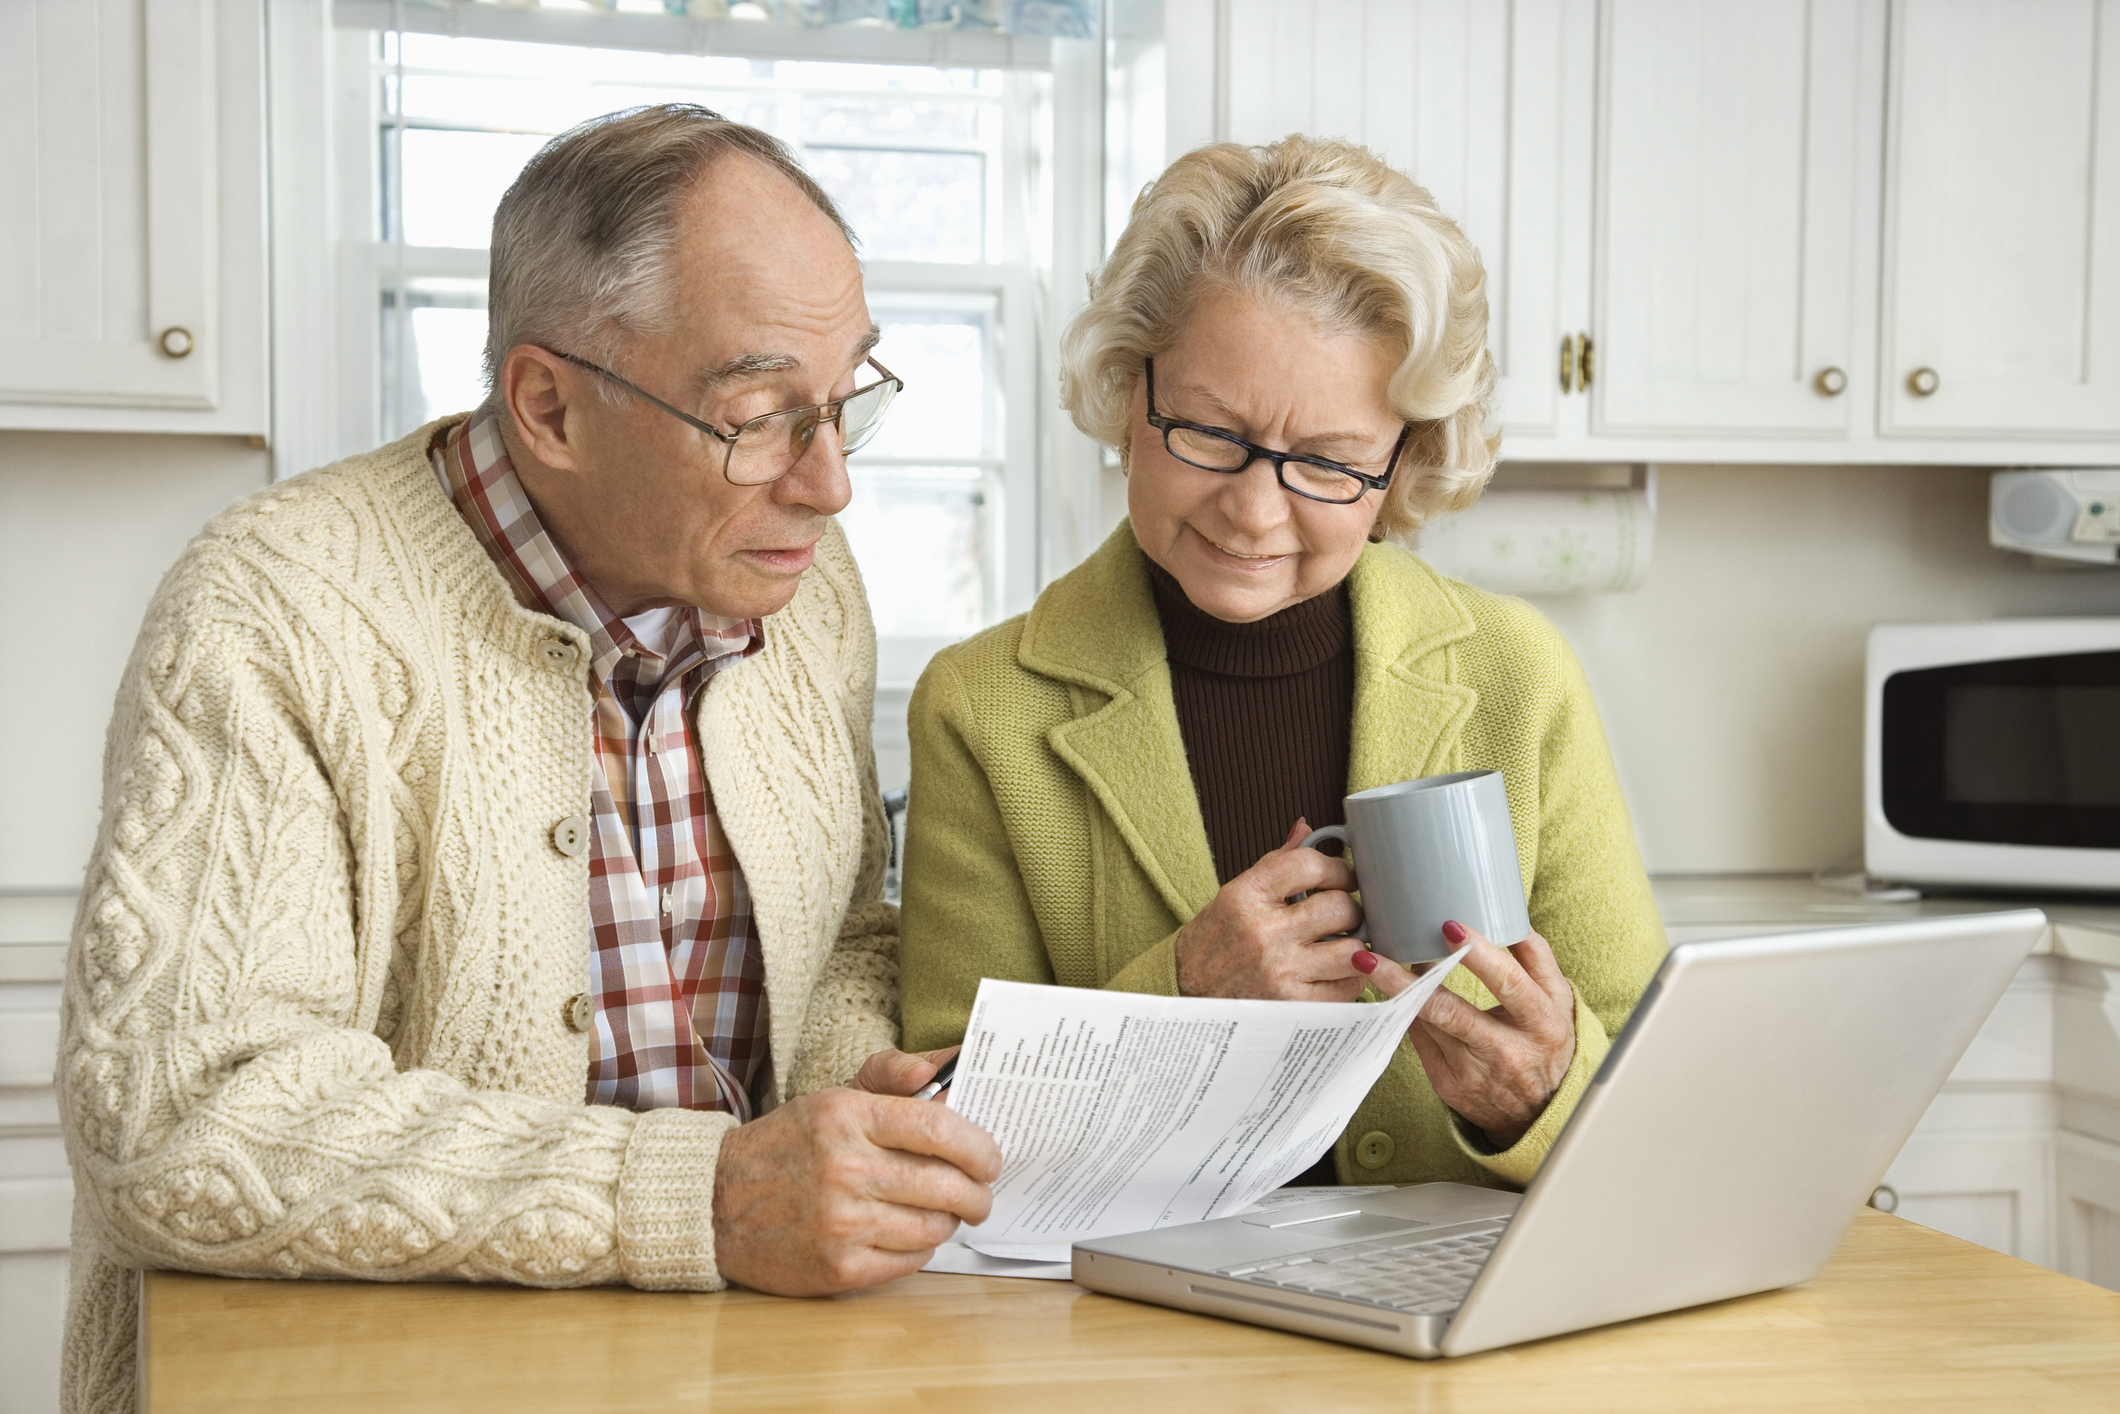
1360 931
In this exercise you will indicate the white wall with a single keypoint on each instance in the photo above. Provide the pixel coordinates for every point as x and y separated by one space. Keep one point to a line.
88 523
1731 682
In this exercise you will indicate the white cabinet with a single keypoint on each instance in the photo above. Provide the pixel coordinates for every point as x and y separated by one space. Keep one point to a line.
132 235
2021 1151
2002 220
1437 88
36 1194
1731 196
1764 215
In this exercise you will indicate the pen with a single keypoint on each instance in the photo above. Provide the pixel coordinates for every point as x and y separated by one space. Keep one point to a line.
941 1082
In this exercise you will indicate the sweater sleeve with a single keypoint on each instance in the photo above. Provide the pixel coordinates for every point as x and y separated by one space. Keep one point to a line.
966 912
1590 900
228 1107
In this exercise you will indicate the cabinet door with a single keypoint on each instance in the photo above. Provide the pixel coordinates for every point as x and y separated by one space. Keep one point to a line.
1730 202
121 215
1483 104
2002 238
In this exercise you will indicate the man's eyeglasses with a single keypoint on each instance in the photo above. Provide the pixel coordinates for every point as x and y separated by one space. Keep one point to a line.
1315 478
766 448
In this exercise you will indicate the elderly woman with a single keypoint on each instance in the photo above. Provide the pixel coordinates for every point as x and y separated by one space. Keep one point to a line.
1287 349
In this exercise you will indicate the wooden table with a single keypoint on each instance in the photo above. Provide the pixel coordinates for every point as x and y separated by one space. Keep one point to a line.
1904 1318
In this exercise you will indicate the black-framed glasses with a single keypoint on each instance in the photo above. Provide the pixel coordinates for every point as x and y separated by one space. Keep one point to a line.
766 448
1314 478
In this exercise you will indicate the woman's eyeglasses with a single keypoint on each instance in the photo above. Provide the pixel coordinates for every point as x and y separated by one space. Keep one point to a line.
1315 478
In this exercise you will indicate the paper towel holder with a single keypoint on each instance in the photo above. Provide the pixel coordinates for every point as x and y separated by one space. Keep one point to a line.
1550 539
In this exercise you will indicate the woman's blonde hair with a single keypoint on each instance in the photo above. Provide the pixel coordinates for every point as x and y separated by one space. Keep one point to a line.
1327 229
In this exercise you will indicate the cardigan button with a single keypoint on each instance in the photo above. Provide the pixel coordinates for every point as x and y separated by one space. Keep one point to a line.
1374 1149
571 836
580 1013
560 655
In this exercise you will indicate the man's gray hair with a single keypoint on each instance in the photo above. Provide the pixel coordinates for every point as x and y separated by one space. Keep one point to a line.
582 240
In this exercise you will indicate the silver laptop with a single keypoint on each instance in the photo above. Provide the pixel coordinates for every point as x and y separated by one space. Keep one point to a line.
1747 1110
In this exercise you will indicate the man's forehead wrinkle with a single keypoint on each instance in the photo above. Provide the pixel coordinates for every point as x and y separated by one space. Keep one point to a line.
745 365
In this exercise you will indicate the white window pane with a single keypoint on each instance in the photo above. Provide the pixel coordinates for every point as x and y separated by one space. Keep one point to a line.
887 119
908 205
911 78
473 101
919 540
944 356
454 180
445 337
775 113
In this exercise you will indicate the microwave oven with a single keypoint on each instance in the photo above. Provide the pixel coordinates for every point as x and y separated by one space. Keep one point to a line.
1991 754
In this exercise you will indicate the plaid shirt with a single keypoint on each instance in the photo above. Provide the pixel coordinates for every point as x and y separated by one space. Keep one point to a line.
679 984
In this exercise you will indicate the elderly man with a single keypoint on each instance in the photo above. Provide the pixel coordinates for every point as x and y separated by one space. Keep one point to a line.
490 826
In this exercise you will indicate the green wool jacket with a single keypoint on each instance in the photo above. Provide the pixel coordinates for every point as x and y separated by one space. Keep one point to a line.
1053 834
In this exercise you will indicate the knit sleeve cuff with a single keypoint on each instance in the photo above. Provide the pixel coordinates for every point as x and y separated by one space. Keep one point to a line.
1154 971
666 1200
1519 1163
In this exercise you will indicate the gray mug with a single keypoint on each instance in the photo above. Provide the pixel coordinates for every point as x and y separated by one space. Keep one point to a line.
1429 851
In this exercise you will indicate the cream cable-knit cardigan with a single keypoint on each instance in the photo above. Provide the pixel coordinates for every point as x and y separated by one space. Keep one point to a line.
314 1016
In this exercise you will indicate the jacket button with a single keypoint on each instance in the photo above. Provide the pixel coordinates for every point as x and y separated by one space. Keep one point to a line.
571 836
1374 1149
560 655
580 1013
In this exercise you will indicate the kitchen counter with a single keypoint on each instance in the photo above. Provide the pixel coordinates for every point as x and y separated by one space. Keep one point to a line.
1696 906
1903 1318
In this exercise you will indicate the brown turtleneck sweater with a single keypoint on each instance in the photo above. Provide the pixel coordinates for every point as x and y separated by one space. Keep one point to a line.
1266 710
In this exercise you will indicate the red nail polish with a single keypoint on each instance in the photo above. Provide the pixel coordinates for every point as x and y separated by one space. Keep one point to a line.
1364 962
1454 931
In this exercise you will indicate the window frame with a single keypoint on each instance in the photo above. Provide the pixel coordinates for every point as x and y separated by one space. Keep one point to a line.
324 235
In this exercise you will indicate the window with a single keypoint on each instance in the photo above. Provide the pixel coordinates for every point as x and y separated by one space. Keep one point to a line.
944 174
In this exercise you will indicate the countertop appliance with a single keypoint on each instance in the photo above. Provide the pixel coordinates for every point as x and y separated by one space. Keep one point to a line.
1991 753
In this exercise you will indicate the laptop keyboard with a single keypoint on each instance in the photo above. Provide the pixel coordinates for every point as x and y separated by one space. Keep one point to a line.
1421 1277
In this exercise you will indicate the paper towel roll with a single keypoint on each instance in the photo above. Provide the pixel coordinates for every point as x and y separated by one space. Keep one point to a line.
1548 540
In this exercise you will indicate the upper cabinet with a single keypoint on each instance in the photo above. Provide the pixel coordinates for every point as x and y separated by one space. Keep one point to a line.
1437 88
132 228
1757 230
2002 220
1730 212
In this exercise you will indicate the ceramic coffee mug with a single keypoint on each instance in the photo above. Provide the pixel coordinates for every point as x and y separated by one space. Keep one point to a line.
1429 851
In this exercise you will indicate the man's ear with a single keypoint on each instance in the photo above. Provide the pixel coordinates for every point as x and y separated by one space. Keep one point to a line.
540 390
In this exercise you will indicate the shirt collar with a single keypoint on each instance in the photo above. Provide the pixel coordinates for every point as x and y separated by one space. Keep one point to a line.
475 473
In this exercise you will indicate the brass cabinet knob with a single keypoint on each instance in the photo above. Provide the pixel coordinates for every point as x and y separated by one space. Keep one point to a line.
176 342
1585 360
1830 382
1567 363
1922 382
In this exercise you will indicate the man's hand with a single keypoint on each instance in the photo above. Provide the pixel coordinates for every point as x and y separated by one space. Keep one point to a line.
847 1188
1261 937
1496 1068
896 1073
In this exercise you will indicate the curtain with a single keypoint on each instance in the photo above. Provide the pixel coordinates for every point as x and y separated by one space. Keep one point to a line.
1048 19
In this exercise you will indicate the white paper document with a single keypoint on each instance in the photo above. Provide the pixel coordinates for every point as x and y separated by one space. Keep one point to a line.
954 1256
1117 1112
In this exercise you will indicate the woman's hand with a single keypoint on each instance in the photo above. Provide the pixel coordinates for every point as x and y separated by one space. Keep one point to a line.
1258 938
1496 1068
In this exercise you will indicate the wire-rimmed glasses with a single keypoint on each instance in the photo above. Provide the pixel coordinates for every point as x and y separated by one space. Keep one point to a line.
1314 478
766 448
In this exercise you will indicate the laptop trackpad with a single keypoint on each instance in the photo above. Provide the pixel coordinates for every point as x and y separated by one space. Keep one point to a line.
1351 1226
